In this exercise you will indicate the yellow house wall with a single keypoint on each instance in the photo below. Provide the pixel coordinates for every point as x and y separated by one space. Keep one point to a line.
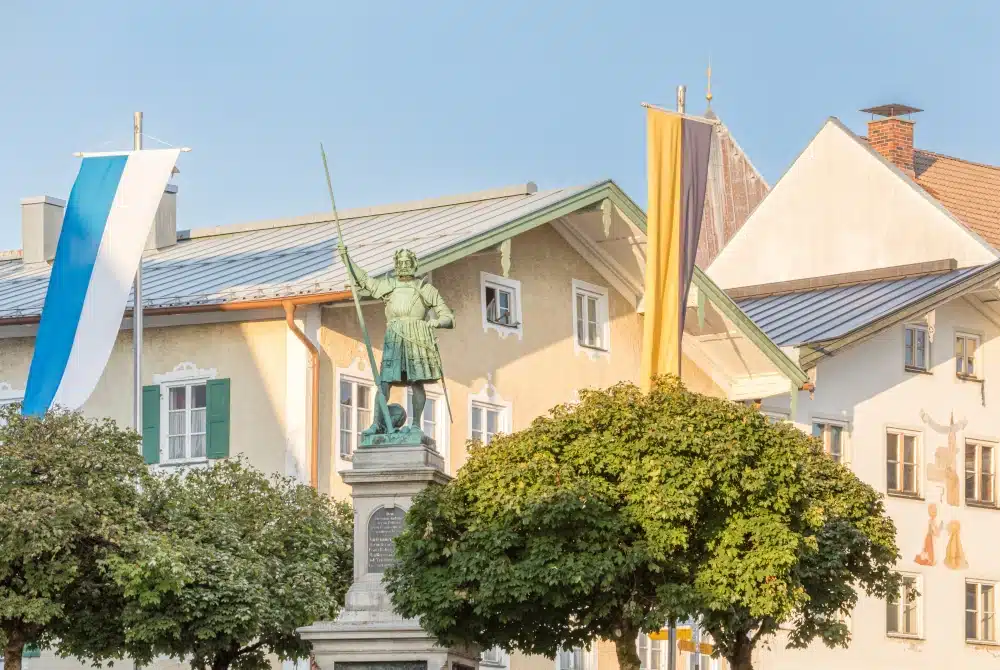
251 355
533 372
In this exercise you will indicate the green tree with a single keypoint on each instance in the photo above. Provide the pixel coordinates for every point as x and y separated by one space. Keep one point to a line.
68 501
614 515
234 563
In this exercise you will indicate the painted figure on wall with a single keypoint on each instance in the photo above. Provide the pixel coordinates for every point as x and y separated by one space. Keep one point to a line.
944 471
926 556
954 556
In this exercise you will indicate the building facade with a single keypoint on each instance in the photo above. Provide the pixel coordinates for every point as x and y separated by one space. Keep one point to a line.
252 345
884 288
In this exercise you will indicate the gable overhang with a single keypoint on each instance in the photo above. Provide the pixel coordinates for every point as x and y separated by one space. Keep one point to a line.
810 354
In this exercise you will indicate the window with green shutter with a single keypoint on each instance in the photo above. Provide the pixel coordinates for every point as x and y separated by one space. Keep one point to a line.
218 418
151 423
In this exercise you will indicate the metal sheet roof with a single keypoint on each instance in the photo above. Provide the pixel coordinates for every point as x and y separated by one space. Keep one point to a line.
286 259
793 319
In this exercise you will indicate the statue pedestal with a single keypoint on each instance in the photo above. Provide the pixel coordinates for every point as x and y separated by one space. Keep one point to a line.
368 635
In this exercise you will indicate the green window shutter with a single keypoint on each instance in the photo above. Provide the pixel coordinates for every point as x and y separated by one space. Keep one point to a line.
218 418
31 651
151 423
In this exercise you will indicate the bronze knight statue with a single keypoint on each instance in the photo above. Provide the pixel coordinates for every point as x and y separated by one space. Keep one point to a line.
410 355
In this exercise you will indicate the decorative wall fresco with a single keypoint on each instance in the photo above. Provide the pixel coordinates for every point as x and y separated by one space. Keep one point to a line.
926 556
943 478
944 470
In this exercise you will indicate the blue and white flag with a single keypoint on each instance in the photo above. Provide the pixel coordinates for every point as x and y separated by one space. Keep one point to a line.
105 225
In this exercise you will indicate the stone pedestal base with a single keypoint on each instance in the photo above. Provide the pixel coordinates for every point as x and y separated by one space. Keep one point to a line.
368 634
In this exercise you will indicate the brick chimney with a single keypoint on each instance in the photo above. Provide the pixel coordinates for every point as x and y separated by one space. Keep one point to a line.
892 135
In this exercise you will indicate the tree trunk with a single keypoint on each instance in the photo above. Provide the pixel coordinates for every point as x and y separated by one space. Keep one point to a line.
220 662
13 651
742 657
628 657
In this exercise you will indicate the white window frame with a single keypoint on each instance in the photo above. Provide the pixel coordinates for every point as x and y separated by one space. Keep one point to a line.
442 423
899 463
494 658
356 373
902 605
489 399
980 637
917 328
601 295
512 286
184 374
777 417
973 497
827 424
977 357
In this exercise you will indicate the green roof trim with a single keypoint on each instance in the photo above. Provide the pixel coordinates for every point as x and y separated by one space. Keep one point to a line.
592 196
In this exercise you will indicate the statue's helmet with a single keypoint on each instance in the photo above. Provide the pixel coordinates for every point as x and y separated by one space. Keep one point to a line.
405 262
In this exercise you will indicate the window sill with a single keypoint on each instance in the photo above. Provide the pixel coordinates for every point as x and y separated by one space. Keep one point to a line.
904 637
919 371
982 643
346 457
905 496
588 347
182 462
505 326
980 505
967 378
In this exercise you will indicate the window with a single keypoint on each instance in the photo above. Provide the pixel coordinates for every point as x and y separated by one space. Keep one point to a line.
494 656
590 316
901 459
185 417
650 652
917 348
501 298
186 425
966 355
435 422
486 421
980 473
356 401
569 659
902 612
980 612
832 437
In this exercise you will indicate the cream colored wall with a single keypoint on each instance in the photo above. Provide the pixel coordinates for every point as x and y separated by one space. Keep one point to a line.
251 355
840 208
534 373
867 388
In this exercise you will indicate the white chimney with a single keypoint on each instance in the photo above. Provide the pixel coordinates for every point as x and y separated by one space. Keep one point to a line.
164 231
41 221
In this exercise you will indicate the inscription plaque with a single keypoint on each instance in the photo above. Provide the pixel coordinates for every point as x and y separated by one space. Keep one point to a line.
383 527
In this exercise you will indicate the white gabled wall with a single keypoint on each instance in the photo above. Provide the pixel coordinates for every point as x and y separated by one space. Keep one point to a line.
866 387
840 208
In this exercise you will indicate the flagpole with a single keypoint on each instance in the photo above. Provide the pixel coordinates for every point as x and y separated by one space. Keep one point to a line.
137 308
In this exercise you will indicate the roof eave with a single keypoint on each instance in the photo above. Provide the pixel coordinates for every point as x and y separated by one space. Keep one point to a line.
813 352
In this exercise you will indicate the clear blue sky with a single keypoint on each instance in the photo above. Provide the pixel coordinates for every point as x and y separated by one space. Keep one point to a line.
417 99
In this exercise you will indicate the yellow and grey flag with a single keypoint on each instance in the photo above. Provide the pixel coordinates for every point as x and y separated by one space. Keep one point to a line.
677 151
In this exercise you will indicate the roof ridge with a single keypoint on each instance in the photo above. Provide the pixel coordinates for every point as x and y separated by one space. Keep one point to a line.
956 158
528 188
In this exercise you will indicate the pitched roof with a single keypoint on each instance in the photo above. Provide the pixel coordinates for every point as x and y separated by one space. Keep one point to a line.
970 191
735 188
295 257
802 317
826 319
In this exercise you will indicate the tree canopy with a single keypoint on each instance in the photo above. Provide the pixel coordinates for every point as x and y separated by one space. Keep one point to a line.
232 564
68 501
613 515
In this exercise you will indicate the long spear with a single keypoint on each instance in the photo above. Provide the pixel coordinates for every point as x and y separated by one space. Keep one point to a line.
380 399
